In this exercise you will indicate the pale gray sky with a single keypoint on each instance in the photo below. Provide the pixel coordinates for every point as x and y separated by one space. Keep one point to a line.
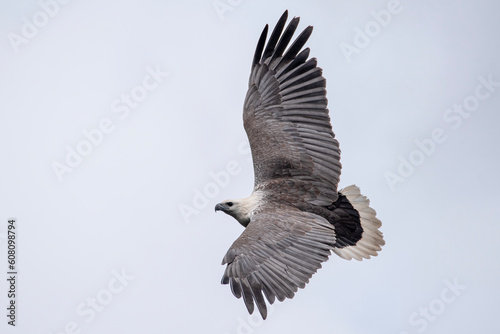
121 128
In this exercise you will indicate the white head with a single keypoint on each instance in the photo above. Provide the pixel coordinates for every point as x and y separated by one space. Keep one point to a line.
235 209
240 209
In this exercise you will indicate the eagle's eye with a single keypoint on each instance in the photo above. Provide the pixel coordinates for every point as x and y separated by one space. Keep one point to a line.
229 204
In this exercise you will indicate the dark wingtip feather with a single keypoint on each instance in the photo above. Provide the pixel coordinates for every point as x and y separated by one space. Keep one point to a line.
285 38
275 35
260 46
235 287
247 295
298 43
256 289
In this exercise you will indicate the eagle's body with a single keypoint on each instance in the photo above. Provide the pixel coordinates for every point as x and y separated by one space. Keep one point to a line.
295 216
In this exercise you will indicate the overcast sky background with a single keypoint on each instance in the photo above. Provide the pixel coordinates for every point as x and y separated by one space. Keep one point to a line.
140 204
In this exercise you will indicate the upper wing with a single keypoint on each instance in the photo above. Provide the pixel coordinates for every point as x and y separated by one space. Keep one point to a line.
286 116
277 254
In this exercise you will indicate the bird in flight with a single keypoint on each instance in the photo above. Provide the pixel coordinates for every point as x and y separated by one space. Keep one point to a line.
295 215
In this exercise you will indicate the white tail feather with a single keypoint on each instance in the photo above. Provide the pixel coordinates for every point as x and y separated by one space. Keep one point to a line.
371 239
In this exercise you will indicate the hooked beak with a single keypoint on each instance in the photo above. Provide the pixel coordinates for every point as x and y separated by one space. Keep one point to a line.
220 207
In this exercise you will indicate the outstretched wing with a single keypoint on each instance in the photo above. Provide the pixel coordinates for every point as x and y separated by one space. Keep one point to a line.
277 253
286 116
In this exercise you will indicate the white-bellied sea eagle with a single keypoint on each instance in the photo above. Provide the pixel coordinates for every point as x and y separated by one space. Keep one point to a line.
295 215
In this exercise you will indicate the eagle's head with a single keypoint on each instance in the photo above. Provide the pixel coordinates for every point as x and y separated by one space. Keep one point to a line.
241 209
236 209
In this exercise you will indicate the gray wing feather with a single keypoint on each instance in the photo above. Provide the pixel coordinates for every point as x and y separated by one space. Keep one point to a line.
277 253
286 116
